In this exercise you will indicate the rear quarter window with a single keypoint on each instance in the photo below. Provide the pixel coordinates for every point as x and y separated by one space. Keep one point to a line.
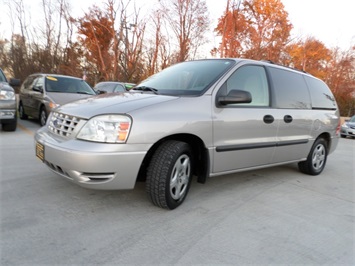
321 96
290 89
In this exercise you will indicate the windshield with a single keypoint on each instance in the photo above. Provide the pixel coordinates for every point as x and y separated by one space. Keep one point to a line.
110 87
188 78
67 85
2 77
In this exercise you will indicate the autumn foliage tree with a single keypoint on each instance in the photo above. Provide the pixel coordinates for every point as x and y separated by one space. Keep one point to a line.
340 76
257 29
94 30
232 27
310 55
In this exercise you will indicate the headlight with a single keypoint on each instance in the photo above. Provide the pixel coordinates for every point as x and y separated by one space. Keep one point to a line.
7 95
52 105
106 128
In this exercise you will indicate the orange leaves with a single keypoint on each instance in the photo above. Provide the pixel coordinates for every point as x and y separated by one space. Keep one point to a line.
258 29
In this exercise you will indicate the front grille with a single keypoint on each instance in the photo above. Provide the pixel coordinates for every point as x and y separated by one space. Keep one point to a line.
62 124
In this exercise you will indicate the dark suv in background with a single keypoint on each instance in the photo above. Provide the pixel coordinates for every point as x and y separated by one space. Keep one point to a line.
8 114
41 93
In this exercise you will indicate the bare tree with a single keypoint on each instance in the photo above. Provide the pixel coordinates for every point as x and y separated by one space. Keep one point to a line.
188 20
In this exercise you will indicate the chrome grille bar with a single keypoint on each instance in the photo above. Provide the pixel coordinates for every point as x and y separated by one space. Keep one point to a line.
62 124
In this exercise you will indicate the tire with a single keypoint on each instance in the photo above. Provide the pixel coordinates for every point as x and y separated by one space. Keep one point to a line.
343 136
21 112
9 127
169 174
316 158
42 116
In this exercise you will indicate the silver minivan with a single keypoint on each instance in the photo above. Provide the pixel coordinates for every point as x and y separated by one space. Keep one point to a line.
198 119
41 93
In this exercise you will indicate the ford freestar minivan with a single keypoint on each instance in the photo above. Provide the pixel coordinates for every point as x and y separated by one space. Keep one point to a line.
198 118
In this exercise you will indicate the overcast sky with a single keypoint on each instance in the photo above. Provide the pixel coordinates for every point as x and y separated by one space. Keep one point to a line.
329 21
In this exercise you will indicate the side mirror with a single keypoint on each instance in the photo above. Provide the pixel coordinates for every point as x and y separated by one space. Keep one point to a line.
15 82
100 92
235 96
38 89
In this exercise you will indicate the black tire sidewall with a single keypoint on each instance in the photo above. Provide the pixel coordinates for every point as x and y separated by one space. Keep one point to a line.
22 114
41 112
160 171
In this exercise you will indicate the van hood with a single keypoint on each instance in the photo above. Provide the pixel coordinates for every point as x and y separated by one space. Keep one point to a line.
5 86
63 98
117 103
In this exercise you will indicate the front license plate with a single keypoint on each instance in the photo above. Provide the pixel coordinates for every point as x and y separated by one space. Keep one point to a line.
40 151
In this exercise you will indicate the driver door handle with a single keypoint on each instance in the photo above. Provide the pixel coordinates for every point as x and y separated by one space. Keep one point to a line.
268 119
288 119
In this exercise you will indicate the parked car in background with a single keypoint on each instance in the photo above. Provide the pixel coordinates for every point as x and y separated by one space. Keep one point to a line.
348 128
194 119
8 104
41 93
112 86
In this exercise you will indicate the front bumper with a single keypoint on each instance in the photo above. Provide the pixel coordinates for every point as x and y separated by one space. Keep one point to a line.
8 111
347 132
91 165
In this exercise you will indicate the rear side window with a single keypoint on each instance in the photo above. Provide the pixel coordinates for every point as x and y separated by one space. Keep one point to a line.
322 97
291 91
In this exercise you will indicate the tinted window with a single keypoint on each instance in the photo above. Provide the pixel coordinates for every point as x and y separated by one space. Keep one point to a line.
67 85
322 97
108 87
290 89
188 78
119 87
252 79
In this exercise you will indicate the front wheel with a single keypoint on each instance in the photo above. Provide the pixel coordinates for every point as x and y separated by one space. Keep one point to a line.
43 116
9 127
169 174
21 111
316 158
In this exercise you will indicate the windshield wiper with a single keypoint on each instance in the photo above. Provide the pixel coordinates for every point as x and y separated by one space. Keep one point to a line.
145 88
83 92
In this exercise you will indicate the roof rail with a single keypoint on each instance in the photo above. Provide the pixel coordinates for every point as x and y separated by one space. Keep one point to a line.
272 62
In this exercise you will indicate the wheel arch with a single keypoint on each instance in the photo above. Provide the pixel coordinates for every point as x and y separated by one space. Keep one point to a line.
199 150
41 106
326 136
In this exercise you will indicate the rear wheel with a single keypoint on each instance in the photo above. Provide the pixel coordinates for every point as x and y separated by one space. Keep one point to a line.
169 174
42 116
316 159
